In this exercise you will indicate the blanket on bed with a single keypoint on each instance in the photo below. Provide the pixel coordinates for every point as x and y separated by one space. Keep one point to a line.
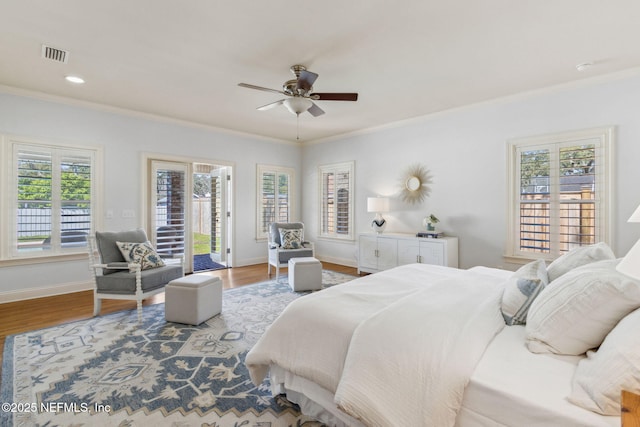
396 348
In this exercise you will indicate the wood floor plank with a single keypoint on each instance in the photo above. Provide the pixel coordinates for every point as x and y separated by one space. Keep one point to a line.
38 313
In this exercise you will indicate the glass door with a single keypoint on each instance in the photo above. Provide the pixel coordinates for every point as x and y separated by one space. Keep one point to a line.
169 209
220 214
211 216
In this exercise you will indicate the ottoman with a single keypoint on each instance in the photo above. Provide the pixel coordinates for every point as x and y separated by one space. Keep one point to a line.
193 299
305 274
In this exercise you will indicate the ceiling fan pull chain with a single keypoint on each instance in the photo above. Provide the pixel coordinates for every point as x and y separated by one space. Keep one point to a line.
297 127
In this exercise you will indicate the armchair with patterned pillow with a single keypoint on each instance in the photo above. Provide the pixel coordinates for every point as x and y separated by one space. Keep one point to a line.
126 266
286 241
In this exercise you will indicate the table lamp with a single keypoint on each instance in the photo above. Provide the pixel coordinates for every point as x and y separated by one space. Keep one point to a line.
630 264
378 205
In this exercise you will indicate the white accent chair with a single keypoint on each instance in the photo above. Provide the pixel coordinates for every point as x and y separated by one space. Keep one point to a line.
279 256
114 278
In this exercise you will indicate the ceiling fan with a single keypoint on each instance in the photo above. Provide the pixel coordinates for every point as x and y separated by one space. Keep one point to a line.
299 93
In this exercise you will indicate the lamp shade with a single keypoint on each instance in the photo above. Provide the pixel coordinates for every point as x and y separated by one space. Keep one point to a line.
297 104
630 264
635 216
377 204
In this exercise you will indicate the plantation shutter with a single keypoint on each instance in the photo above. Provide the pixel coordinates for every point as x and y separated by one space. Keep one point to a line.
274 199
35 198
169 198
54 192
561 200
75 198
336 216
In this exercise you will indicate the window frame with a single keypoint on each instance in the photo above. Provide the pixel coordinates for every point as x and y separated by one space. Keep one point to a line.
603 138
261 170
9 254
343 167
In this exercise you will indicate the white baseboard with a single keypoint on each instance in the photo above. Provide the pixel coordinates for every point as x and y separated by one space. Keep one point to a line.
339 261
48 291
251 261
333 260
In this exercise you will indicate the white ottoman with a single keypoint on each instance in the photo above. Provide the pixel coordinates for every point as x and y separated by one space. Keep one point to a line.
305 274
193 299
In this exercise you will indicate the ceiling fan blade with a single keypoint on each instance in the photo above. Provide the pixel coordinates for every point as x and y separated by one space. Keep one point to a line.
306 80
270 105
334 96
315 111
265 89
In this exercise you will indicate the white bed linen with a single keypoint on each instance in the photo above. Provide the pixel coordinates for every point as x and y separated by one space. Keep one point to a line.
330 317
457 312
513 387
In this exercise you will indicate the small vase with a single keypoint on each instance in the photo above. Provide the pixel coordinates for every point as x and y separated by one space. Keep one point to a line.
430 226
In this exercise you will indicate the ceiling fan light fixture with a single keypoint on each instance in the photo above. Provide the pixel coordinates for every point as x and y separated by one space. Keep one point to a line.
297 104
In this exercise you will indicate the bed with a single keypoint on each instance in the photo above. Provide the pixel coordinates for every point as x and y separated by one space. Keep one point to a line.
425 345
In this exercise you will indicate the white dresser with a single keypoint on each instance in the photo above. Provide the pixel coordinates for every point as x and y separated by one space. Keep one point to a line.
377 252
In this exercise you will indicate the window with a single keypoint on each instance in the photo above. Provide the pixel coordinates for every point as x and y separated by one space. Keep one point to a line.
274 197
52 199
559 193
336 201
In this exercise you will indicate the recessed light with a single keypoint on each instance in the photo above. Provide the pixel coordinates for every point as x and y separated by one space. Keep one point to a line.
75 79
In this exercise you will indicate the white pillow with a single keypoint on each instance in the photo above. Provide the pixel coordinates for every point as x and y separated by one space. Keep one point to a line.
600 377
578 257
574 313
521 289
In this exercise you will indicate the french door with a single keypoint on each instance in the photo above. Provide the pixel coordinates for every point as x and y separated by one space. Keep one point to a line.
169 208
220 214
189 212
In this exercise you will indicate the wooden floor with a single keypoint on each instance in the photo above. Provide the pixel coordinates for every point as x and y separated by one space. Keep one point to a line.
28 315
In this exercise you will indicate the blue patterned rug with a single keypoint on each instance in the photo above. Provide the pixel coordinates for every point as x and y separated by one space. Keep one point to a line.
110 371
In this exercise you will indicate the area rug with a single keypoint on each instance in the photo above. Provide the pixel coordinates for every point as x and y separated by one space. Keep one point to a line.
111 371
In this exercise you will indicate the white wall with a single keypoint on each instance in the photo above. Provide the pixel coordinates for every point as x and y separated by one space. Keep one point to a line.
465 151
124 139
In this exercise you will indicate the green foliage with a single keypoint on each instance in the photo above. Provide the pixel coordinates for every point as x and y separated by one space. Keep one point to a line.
202 185
35 184
578 160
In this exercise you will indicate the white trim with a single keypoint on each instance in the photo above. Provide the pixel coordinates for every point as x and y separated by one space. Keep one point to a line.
520 96
147 157
10 90
8 185
48 291
340 261
605 137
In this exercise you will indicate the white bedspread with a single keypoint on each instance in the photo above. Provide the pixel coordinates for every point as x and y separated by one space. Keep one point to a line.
397 347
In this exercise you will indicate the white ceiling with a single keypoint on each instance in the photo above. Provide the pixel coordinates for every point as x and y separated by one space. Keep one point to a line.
184 59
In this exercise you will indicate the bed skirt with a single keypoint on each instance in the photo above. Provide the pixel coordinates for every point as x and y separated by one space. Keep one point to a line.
314 401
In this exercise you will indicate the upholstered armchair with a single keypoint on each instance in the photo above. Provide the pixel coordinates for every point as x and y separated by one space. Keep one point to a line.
286 241
126 266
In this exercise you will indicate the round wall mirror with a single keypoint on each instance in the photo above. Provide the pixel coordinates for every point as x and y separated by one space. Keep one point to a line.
413 183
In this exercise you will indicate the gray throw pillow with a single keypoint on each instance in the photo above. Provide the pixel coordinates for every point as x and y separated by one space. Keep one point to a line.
521 289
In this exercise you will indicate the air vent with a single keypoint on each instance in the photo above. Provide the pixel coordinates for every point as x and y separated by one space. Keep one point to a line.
54 54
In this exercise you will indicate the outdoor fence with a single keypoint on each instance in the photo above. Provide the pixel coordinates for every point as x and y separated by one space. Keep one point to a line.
576 227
